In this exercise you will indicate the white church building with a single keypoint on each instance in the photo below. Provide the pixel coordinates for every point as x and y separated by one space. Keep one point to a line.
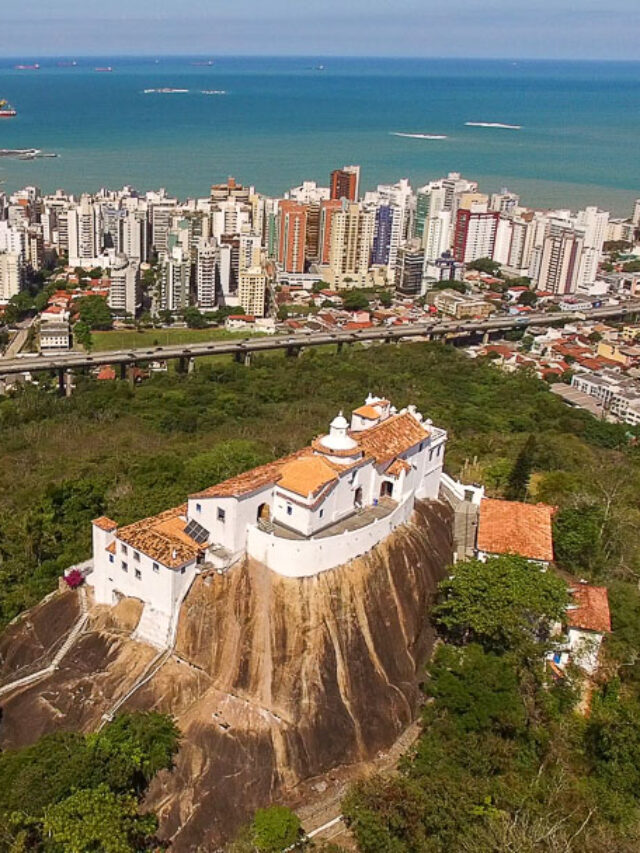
306 513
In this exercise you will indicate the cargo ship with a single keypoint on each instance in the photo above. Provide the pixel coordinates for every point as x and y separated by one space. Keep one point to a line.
35 67
6 110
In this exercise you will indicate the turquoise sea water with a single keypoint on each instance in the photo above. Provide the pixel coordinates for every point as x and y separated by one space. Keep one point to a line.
283 120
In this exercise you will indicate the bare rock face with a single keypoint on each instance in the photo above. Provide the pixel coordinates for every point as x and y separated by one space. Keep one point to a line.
299 676
273 680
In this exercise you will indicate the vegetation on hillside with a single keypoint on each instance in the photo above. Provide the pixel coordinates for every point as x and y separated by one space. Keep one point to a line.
131 453
74 793
505 762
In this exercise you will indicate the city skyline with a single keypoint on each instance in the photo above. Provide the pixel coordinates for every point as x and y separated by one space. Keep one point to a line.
493 29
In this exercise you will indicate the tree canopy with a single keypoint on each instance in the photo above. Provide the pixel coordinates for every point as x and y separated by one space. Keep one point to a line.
94 312
502 603
82 790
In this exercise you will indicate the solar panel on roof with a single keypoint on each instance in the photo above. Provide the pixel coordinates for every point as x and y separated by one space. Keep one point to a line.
197 532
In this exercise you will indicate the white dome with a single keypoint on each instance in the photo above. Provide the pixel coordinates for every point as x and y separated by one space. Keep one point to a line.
338 438
339 422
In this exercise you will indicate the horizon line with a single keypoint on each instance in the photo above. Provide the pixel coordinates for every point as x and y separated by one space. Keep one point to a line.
352 57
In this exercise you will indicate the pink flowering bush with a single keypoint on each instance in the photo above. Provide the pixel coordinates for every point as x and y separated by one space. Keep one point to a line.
74 579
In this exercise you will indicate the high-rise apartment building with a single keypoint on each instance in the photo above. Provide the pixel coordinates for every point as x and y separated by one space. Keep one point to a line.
408 278
475 234
85 230
561 257
206 263
345 183
10 275
292 232
124 291
352 230
252 290
328 209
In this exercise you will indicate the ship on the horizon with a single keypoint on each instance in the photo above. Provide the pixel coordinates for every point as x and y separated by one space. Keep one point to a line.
27 67
105 69
6 110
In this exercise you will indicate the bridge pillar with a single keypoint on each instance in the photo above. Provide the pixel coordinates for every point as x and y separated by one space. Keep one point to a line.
181 366
340 345
123 371
68 383
485 338
293 351
131 374
191 365
61 381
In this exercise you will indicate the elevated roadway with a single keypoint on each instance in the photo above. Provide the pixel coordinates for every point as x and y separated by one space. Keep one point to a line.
293 343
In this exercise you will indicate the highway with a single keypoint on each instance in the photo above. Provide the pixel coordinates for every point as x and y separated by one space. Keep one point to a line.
243 348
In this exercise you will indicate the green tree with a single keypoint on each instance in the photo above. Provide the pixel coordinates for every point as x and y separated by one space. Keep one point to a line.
82 335
355 301
274 829
503 603
283 313
94 311
518 485
479 689
194 318
385 299
527 297
577 536
99 820
485 265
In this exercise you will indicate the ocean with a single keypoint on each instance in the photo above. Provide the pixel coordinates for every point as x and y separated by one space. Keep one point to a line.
284 120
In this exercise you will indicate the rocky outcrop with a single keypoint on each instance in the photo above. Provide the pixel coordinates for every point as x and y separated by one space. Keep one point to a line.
275 680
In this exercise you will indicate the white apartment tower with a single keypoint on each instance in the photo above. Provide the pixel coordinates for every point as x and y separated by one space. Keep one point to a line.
352 230
252 288
124 292
10 275
207 253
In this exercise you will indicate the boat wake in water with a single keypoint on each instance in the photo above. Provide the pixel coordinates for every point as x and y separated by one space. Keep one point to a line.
418 135
495 124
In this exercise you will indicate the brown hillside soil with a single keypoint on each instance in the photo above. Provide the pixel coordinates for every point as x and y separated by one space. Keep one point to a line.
274 680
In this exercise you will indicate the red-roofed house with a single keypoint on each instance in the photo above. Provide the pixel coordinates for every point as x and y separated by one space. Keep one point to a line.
587 621
511 527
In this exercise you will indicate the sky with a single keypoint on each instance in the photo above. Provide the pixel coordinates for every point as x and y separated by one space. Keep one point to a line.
555 29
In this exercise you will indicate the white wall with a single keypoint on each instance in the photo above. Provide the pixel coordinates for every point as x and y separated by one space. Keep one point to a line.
304 558
585 648
161 589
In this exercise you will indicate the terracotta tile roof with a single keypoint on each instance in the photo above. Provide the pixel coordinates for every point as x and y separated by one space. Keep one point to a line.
306 476
510 527
105 523
397 467
162 538
106 372
368 412
592 612
111 548
252 480
392 437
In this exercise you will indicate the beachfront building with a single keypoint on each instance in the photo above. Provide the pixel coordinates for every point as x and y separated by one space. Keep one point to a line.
316 509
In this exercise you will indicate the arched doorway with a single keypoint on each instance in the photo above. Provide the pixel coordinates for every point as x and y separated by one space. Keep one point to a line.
386 489
357 497
264 512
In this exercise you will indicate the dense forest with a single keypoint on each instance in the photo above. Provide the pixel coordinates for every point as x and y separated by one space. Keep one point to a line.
505 763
